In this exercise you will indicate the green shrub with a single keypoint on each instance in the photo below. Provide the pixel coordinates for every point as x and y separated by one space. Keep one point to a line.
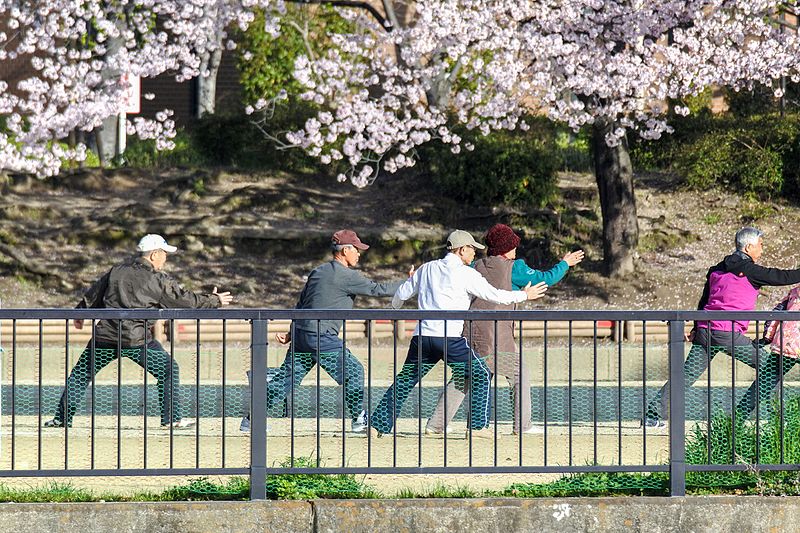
230 140
748 102
757 155
270 66
574 149
143 153
513 168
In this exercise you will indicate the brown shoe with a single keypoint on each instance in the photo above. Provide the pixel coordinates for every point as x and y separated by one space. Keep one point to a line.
485 433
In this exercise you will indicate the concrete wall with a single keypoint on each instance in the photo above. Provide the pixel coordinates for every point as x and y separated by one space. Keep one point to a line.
653 515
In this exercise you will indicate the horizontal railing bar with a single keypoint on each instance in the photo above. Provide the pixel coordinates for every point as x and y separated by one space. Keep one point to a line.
389 314
471 469
337 470
741 468
102 472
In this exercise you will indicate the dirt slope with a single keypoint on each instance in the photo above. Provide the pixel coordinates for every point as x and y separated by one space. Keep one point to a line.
257 235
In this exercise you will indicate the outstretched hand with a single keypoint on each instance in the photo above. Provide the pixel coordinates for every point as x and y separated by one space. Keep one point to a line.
536 291
573 258
225 298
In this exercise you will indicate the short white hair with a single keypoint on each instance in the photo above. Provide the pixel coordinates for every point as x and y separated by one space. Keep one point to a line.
747 236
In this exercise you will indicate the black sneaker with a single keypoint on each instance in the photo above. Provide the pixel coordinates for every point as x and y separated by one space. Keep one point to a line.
56 423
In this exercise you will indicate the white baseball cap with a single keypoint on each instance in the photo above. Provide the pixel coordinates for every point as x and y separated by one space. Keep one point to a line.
152 241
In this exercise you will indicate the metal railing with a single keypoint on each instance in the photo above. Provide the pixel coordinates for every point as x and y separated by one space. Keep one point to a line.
588 397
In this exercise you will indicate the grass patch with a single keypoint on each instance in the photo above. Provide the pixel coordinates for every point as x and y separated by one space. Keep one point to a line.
441 491
593 484
312 486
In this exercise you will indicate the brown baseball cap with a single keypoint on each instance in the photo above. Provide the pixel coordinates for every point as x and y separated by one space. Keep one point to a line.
348 236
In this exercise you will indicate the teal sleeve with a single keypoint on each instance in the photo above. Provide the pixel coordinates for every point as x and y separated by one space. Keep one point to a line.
522 274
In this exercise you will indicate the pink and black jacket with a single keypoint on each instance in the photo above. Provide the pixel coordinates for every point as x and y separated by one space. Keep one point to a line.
733 284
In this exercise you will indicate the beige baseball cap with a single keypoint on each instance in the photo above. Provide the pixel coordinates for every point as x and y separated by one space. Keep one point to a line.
460 238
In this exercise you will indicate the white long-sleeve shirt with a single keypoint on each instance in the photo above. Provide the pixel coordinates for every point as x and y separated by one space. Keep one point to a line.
448 284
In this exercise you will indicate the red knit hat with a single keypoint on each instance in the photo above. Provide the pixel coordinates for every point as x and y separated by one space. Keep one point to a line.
501 239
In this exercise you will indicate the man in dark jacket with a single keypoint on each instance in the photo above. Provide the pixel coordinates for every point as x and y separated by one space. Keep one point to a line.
732 285
332 285
138 283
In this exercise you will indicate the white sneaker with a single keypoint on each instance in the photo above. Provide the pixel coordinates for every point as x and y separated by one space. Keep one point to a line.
183 423
533 430
432 431
359 425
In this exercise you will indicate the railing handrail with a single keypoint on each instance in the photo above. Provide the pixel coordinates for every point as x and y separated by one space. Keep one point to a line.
390 314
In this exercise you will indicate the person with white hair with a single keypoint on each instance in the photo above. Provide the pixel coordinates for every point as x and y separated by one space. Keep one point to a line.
731 285
137 283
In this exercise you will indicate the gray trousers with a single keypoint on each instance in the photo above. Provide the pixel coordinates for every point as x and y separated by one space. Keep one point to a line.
507 366
704 347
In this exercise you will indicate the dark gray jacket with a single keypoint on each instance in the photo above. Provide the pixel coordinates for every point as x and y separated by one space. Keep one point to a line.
334 286
135 284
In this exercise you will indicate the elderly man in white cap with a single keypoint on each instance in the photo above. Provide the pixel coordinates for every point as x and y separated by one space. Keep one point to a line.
447 284
138 283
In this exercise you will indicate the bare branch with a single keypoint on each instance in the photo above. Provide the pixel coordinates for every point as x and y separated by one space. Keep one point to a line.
351 3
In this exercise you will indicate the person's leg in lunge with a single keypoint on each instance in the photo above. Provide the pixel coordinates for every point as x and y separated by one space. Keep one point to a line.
332 358
440 419
385 414
79 378
469 368
352 378
700 355
160 364
508 366
769 374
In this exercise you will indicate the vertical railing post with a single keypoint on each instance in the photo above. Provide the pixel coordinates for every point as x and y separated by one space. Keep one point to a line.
258 411
677 410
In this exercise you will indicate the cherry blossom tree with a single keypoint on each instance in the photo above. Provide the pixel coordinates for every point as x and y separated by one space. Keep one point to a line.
78 54
417 68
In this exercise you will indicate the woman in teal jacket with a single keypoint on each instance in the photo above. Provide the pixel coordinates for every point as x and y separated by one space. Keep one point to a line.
503 270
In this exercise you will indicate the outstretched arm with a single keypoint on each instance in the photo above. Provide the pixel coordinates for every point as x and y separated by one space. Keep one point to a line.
522 274
173 295
406 290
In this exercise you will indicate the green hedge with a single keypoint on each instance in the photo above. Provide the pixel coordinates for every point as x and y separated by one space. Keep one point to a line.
232 140
505 167
755 155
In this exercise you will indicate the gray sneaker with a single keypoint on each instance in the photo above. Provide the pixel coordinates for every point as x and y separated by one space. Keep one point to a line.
359 425
244 426
655 423
56 423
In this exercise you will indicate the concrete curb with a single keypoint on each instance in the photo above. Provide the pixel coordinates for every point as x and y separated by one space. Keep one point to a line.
503 515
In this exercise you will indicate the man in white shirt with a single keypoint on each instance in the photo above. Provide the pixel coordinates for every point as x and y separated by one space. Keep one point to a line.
447 284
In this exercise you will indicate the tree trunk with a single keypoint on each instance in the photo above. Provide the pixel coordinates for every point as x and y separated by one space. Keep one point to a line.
207 85
614 175
107 136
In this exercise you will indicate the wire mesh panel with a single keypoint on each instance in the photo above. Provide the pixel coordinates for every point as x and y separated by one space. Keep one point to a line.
78 404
